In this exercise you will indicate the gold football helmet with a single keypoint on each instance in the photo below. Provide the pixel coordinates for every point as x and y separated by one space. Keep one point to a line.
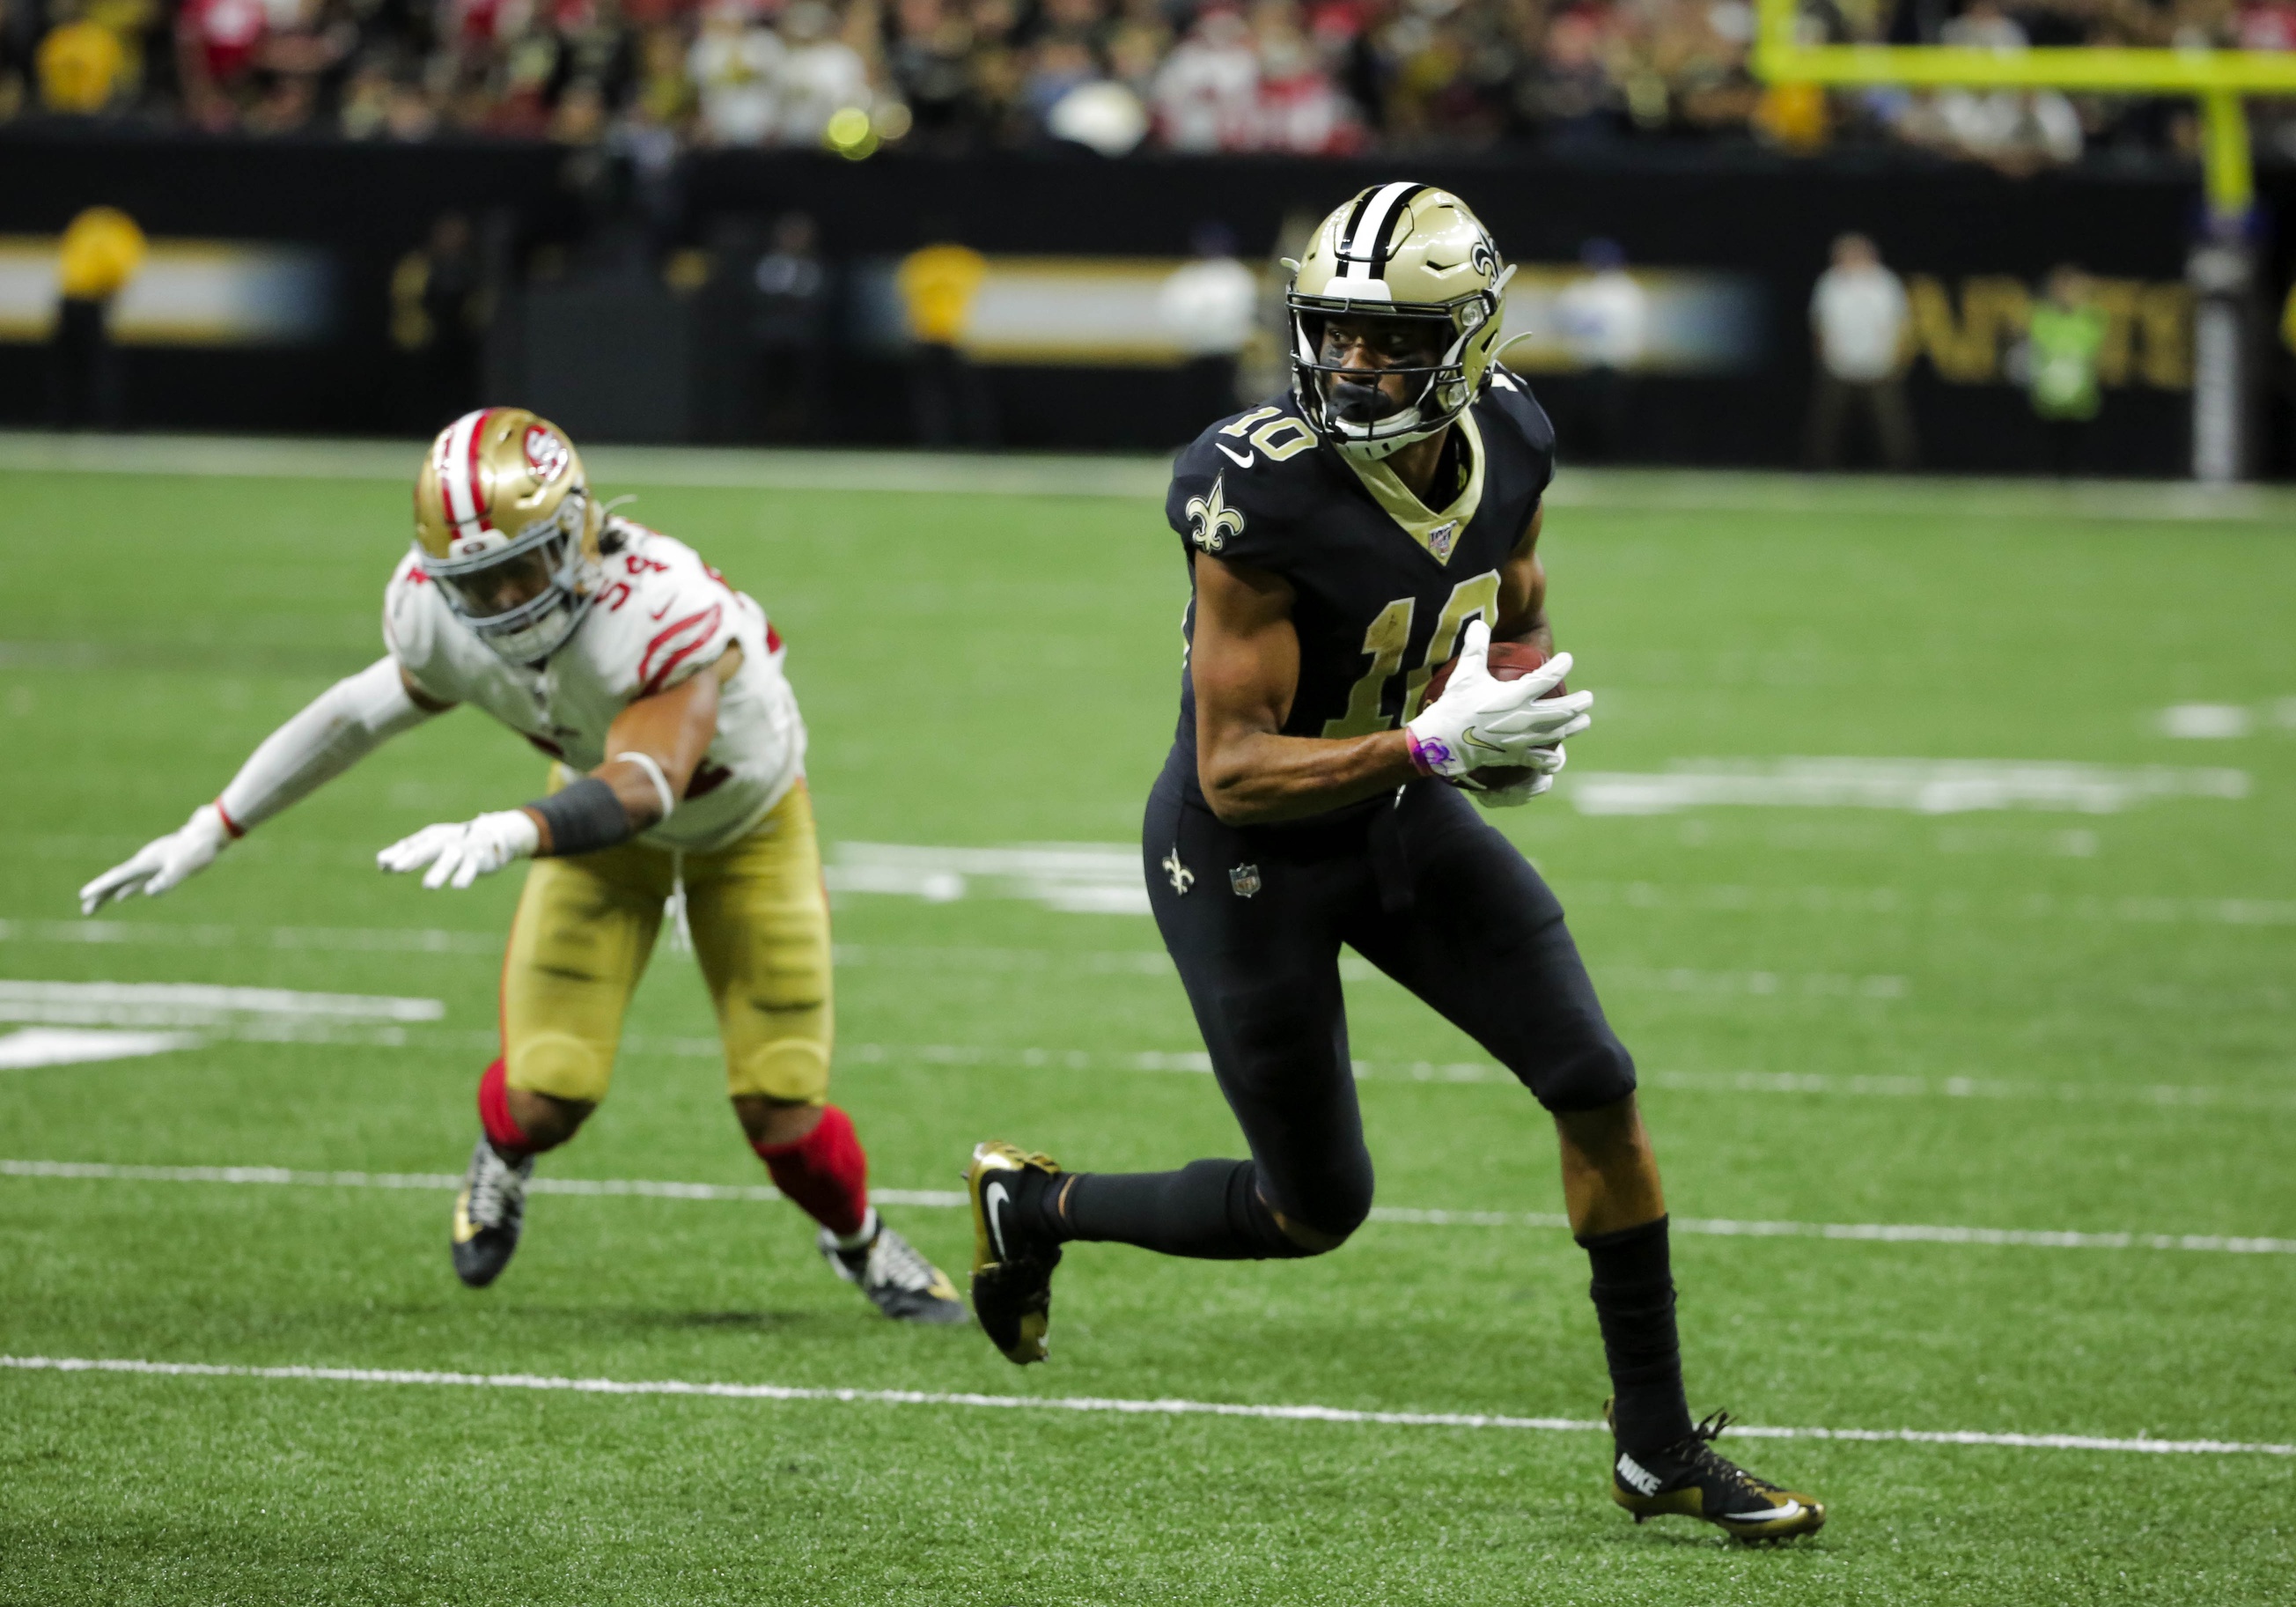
1397 251
504 523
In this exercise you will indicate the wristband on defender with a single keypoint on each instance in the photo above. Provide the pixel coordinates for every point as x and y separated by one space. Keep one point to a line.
647 763
584 818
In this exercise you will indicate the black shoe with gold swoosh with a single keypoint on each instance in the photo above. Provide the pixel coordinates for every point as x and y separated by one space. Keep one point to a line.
1691 1479
487 1215
1011 1264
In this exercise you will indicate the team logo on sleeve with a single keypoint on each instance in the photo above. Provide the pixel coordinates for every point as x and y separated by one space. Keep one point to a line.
1211 521
546 453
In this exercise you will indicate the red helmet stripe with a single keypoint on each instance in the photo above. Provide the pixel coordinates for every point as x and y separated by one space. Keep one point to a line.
478 507
457 466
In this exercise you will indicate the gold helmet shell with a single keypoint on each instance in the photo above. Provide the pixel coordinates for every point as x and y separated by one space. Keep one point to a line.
1398 251
502 487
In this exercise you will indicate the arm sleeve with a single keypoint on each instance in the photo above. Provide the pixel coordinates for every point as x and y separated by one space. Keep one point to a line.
334 732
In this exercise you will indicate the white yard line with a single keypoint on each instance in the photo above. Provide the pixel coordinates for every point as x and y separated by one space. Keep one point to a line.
36 1046
1885 1233
1920 786
159 934
1111 1405
196 1004
1010 474
1716 897
292 1029
1144 477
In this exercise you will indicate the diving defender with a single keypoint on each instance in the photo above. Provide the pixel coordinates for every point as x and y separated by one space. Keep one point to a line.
677 764
1344 546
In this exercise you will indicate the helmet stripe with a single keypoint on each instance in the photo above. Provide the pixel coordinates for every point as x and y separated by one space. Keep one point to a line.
1365 247
471 467
457 481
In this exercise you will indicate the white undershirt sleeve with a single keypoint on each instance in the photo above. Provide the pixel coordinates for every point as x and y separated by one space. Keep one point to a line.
334 732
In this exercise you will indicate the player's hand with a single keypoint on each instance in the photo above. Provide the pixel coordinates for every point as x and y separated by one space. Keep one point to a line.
1538 776
1481 720
465 850
162 863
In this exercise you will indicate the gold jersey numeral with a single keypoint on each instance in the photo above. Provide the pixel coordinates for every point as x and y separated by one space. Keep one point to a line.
1478 595
1386 638
1285 438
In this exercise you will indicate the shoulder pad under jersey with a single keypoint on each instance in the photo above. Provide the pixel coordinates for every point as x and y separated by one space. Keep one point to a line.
661 614
417 626
1508 405
1243 487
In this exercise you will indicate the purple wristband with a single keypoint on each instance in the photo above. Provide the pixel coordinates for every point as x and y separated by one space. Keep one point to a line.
1425 755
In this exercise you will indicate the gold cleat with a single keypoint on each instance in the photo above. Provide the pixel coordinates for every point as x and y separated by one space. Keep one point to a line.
1012 1267
1691 1479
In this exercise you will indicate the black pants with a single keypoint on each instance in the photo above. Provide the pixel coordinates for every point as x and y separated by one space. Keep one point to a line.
949 404
1883 404
84 383
1422 888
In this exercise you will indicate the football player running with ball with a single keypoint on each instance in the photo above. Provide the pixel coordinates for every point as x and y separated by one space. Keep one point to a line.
657 689
1344 547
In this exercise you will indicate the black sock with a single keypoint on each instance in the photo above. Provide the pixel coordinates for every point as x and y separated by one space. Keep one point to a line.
1208 1209
1634 1301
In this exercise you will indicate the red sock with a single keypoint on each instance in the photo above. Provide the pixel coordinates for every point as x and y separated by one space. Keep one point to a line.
494 1111
825 1172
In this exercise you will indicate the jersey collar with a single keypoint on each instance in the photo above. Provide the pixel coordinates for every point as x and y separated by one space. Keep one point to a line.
1437 533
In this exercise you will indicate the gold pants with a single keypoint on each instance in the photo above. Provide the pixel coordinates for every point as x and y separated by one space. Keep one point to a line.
586 925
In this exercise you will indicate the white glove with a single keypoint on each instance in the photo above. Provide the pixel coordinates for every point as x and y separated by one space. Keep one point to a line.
1538 776
465 850
163 862
1481 720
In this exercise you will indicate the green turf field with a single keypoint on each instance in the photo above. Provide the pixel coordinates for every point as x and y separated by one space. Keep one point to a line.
2040 1019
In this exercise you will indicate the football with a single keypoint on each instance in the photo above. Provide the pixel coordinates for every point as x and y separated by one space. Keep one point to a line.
1507 662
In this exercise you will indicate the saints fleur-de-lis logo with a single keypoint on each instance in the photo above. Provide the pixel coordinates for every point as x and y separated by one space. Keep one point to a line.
1211 521
1179 875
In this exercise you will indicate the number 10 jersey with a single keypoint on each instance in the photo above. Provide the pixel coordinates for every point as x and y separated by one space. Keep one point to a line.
1383 585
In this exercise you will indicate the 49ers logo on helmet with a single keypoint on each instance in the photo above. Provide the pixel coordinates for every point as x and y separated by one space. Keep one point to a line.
547 453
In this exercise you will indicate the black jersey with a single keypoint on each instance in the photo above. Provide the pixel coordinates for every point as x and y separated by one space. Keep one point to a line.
1383 586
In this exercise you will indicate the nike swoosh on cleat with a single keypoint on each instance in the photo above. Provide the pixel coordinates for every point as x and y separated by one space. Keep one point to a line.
1245 462
466 1230
1776 1514
991 1198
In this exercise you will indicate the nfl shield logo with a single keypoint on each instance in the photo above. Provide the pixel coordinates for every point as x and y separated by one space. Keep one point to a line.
1244 878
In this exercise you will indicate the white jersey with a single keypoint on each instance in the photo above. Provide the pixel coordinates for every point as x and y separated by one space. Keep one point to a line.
660 615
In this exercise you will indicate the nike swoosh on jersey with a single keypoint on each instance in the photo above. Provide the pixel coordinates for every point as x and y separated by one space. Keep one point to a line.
991 1197
1245 462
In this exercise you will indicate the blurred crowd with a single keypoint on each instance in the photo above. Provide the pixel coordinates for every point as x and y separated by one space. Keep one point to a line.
1304 77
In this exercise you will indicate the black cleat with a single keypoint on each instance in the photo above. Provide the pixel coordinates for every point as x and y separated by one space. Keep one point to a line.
904 1285
487 1215
1011 1270
1691 1479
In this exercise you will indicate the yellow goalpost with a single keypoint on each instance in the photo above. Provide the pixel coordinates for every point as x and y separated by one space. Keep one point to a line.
2218 80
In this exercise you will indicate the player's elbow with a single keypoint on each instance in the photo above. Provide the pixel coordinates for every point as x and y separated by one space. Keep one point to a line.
1228 788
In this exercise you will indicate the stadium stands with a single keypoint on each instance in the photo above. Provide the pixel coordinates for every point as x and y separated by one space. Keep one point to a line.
1304 77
